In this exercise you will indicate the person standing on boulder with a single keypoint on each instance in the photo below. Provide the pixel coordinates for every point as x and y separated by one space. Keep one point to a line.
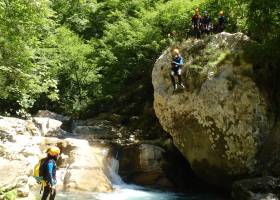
176 68
48 169
196 23
221 22
206 23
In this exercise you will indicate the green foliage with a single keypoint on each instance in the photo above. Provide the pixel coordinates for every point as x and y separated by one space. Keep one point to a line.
76 72
173 16
10 195
75 14
66 55
264 26
130 45
23 25
235 13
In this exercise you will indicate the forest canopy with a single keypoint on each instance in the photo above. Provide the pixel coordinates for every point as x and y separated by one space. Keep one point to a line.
71 55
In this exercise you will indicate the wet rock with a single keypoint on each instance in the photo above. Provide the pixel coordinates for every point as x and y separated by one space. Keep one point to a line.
115 118
265 188
86 170
97 129
143 164
220 121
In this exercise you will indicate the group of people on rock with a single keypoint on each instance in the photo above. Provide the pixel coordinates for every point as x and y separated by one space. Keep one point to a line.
200 25
203 24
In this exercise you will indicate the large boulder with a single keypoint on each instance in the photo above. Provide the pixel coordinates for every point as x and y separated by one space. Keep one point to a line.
10 127
66 121
52 115
220 122
48 126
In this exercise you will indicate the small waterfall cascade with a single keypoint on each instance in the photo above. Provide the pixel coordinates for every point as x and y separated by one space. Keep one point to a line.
113 169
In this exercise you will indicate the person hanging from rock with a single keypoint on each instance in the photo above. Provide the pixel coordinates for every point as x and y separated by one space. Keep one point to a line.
196 23
206 23
221 22
176 68
48 172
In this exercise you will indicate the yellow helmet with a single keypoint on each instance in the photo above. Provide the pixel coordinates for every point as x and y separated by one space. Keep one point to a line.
221 12
196 10
53 151
176 51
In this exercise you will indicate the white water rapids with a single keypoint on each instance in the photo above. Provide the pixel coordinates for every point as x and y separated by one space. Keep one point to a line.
123 191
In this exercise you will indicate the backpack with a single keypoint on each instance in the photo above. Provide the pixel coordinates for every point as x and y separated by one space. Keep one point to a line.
40 170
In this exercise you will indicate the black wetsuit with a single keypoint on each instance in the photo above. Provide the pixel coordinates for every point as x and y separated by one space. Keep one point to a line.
221 24
206 24
50 178
196 23
176 69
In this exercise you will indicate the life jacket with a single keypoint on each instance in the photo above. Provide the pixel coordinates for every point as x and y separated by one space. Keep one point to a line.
41 170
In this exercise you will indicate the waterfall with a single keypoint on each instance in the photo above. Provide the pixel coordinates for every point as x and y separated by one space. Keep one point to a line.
113 169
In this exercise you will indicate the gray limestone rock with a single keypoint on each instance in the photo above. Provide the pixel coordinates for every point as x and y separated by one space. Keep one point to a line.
220 121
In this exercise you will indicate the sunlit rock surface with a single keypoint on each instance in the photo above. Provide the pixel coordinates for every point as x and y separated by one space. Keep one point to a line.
220 121
22 144
86 168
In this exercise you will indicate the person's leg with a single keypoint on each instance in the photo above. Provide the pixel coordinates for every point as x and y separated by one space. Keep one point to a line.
46 193
53 193
198 32
180 79
179 74
173 79
195 31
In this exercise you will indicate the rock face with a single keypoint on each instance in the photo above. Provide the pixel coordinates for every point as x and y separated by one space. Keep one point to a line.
257 188
81 167
48 126
143 164
66 121
221 120
86 171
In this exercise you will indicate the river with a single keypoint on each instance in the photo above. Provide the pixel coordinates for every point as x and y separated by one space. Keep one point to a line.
132 192
123 191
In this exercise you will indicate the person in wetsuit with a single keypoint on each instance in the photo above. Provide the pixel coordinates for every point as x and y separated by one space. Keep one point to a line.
49 173
221 22
196 23
206 23
176 68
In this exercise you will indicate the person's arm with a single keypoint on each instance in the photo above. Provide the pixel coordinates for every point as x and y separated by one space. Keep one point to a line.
193 22
181 63
51 179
